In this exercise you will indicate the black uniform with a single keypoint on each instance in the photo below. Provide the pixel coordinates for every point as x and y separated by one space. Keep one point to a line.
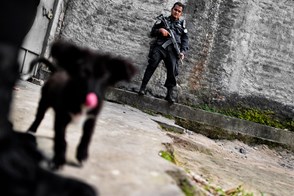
163 49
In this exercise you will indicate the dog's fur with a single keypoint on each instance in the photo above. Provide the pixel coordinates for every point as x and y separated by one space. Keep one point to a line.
77 71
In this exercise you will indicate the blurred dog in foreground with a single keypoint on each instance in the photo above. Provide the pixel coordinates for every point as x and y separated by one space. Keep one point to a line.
22 175
76 87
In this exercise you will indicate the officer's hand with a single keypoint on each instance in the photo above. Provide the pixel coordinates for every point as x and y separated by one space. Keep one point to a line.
182 56
164 32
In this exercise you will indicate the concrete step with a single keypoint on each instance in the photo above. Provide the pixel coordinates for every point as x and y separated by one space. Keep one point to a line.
225 123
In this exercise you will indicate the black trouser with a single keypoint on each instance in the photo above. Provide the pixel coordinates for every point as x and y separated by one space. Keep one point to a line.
170 59
16 19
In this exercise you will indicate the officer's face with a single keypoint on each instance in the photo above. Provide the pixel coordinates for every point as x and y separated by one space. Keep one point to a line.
176 12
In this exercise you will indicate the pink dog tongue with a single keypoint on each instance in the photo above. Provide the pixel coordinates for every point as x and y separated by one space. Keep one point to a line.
91 100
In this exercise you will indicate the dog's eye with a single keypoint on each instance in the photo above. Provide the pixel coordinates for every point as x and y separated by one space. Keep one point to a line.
86 73
81 61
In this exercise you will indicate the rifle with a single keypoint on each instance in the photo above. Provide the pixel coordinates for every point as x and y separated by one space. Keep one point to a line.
173 39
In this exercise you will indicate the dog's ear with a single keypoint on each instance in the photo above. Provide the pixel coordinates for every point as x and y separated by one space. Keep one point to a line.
121 69
118 68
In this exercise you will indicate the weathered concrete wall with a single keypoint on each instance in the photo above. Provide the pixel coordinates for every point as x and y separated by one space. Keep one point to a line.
239 50
252 57
254 50
261 59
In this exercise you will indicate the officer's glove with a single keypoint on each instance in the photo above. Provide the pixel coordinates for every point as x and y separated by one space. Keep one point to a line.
182 56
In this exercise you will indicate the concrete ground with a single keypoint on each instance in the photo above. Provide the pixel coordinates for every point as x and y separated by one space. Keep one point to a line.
124 154
124 151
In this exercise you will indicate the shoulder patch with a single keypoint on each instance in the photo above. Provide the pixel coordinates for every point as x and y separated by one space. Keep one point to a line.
158 22
184 24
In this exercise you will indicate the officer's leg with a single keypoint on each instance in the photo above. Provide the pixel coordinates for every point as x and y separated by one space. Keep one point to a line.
171 68
154 59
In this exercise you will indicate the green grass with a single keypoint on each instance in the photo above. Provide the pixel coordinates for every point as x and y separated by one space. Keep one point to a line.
265 117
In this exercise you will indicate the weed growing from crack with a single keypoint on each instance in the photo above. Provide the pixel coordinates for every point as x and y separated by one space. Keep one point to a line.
167 156
190 184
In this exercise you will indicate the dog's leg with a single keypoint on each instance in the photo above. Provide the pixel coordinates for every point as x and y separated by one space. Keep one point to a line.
61 121
88 128
43 106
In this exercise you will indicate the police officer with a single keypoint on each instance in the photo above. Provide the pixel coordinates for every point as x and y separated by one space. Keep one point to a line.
164 49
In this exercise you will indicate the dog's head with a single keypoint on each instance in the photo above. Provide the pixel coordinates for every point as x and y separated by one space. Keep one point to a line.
106 71
117 68
85 63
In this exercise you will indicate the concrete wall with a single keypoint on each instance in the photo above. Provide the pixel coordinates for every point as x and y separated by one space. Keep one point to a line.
240 51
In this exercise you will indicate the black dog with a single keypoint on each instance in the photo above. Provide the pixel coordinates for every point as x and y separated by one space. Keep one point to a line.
77 86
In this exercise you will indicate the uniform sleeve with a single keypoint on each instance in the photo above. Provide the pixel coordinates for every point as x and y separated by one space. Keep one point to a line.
185 42
155 29
184 38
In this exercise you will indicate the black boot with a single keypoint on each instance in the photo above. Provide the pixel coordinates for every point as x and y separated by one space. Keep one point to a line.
142 90
169 95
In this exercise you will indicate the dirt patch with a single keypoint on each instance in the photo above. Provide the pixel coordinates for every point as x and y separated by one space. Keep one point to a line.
230 164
